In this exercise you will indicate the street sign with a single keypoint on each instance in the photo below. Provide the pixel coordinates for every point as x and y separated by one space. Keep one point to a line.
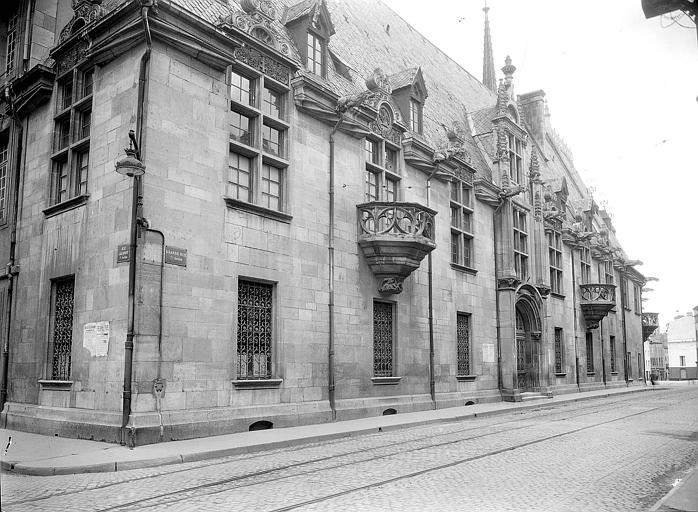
175 256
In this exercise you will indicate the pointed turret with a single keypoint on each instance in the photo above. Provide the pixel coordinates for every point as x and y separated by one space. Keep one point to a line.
488 74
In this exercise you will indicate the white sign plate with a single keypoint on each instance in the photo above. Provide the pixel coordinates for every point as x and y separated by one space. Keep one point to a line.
95 338
488 353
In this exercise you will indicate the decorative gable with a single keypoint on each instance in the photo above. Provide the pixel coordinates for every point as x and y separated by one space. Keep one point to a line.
260 20
86 12
313 14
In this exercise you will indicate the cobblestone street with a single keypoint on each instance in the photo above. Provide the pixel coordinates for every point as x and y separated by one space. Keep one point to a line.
620 453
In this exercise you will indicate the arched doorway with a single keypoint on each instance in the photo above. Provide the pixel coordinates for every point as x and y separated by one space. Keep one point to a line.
528 345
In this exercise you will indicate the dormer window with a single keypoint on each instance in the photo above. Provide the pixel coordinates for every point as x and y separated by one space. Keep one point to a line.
415 116
516 162
316 56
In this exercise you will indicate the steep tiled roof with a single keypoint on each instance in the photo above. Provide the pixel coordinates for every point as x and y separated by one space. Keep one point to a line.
299 10
403 78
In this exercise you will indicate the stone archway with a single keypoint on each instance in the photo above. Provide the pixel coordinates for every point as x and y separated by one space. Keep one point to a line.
529 350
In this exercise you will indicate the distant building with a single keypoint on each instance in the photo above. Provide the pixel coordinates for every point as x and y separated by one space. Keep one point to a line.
656 356
336 220
682 347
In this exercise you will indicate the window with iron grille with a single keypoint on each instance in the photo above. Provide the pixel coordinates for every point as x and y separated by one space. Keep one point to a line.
11 43
613 354
555 257
4 167
462 223
630 364
255 323
585 265
62 331
71 145
258 164
516 162
383 331
464 346
558 350
590 352
520 244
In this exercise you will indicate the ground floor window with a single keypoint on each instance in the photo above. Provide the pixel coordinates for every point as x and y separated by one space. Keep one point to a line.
629 362
383 327
590 353
62 328
639 365
558 350
254 338
463 343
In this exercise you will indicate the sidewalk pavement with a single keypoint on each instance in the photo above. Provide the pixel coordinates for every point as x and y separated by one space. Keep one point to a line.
40 455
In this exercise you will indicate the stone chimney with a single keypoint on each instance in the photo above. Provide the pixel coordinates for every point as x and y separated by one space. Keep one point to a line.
533 106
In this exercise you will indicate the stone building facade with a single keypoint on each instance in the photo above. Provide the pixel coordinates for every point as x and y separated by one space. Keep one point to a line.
335 221
682 347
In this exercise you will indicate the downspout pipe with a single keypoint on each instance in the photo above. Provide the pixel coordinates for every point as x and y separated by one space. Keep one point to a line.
127 428
330 254
11 269
574 309
430 273
500 384
623 286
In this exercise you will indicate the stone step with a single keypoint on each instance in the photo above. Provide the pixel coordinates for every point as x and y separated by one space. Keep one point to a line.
532 395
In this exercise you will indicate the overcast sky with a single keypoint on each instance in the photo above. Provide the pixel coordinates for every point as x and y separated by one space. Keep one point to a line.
623 93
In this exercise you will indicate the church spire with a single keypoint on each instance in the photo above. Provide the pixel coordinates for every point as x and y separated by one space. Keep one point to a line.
488 73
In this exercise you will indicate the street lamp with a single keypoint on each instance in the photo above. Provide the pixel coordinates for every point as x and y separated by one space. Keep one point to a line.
131 166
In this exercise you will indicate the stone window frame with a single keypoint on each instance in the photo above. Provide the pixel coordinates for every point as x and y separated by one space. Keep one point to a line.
461 197
521 252
247 381
252 103
416 115
606 271
682 360
50 372
555 260
378 175
70 155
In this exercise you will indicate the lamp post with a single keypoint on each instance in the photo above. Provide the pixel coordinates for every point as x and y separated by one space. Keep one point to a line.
132 167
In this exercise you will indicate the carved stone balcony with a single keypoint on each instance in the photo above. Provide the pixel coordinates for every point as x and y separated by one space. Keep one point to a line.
650 322
395 238
596 301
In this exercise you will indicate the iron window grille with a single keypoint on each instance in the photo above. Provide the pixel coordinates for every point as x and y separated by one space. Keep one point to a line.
613 354
463 343
71 145
258 163
255 330
585 265
590 352
555 257
4 165
383 334
461 223
382 178
62 332
558 350
630 364
520 244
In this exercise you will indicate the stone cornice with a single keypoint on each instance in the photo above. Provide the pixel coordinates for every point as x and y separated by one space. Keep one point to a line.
487 192
517 130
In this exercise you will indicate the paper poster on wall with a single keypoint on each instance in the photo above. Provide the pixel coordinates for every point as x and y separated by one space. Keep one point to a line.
95 338
488 353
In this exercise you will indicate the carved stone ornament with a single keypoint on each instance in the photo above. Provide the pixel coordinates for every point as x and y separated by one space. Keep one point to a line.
379 80
534 168
383 124
86 12
259 25
264 7
502 98
537 207
502 145
390 285
550 210
579 229
508 283
72 56
260 62
455 147
544 290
